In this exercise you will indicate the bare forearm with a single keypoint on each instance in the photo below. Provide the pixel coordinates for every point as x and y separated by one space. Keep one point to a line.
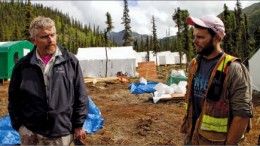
236 130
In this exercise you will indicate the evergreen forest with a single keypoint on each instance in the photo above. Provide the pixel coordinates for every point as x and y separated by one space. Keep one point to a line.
242 29
16 18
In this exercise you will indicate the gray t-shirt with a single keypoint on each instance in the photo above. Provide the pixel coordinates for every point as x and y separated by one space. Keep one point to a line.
200 82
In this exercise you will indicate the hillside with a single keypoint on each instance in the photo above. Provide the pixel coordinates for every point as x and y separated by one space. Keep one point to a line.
253 13
118 36
16 16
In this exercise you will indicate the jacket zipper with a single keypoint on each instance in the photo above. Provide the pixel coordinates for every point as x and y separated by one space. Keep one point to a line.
47 100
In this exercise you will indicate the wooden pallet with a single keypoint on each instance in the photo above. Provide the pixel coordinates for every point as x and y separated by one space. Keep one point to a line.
95 80
175 96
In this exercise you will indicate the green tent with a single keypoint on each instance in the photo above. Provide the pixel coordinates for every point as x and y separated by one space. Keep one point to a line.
10 53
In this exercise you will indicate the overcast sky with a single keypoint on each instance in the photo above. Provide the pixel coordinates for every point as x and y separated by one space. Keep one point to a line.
140 12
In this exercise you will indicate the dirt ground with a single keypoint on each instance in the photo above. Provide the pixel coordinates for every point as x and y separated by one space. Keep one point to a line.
134 119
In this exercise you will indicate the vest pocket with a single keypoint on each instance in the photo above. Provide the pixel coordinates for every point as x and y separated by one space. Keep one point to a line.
213 136
213 123
216 87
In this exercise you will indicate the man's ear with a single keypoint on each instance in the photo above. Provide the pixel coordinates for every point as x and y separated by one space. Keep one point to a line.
217 38
33 41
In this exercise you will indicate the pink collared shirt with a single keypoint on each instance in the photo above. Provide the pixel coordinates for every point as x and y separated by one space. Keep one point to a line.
46 59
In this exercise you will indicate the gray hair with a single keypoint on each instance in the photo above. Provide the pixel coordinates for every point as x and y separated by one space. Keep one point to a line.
40 22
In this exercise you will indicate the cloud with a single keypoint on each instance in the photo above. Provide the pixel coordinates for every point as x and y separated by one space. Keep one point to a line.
140 12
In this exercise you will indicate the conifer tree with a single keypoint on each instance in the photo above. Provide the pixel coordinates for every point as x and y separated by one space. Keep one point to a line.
174 45
187 36
63 33
228 42
247 45
142 45
1 32
238 33
16 33
147 45
257 37
109 28
179 17
127 37
156 47
136 47
29 17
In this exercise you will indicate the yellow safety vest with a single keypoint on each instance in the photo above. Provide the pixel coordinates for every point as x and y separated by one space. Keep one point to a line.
217 121
211 125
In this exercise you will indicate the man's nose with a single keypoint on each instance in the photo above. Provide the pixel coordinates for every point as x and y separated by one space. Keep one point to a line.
50 38
194 40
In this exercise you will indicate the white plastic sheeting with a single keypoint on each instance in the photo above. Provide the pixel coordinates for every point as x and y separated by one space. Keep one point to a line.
120 59
254 69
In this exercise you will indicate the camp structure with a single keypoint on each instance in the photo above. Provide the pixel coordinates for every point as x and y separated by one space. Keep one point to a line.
10 53
163 58
176 56
143 57
120 59
254 69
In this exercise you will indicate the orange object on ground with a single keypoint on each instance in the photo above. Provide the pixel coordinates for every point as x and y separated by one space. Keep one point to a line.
123 79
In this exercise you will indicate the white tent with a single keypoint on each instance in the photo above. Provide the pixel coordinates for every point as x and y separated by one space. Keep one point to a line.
163 58
120 59
167 57
254 69
141 57
176 56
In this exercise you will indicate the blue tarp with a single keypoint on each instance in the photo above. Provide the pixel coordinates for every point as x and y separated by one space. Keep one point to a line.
93 122
138 88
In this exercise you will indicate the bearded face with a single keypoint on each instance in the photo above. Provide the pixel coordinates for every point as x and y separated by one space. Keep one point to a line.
45 41
203 42
208 48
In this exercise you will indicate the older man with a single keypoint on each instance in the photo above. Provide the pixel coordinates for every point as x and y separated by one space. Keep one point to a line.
48 101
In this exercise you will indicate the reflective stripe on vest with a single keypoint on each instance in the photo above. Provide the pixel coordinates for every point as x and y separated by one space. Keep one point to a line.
211 123
224 64
214 124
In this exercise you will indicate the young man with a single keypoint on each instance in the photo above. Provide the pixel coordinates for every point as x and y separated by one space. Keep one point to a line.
48 102
219 94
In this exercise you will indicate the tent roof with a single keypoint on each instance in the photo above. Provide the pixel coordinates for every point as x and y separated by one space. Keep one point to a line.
1 43
95 53
5 46
142 53
163 53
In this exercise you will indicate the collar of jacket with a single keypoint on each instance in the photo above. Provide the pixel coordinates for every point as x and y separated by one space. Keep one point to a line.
59 59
